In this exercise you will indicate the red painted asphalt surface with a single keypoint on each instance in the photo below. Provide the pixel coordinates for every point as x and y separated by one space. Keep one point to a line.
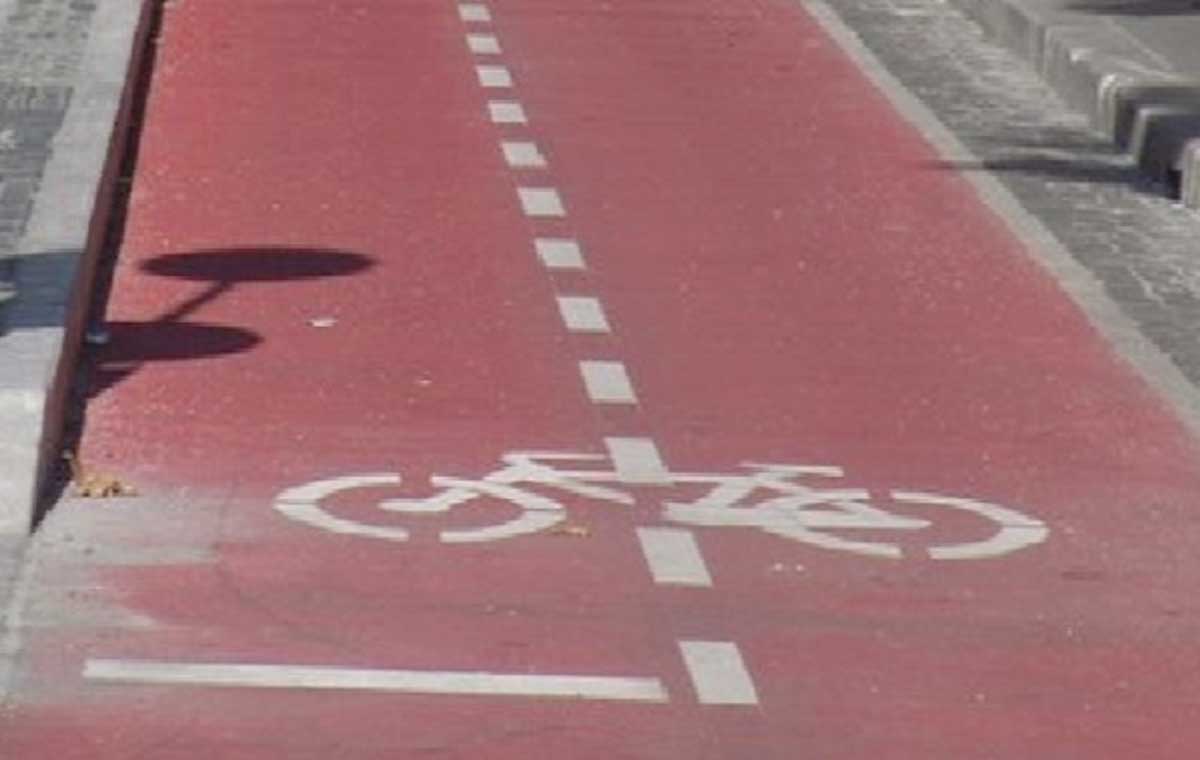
787 281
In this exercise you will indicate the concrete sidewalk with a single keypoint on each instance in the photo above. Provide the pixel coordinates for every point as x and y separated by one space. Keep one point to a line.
1132 65
65 99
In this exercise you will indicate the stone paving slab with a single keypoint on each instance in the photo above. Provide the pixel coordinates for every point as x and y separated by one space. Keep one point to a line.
64 104
1132 67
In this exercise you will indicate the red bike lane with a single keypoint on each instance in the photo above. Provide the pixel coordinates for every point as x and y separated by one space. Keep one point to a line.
794 284
330 273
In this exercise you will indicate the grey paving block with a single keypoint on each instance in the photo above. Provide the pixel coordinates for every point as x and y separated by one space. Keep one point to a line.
1121 65
64 69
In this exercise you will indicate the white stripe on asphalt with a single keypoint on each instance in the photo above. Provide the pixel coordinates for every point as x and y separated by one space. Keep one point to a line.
408 681
636 460
559 253
583 314
506 112
718 673
483 44
494 76
523 155
474 12
674 557
607 382
541 201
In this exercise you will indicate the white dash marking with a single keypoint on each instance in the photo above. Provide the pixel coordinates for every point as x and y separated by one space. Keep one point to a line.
718 673
559 253
674 557
541 201
494 76
483 44
360 679
636 460
583 314
474 12
607 382
506 112
523 155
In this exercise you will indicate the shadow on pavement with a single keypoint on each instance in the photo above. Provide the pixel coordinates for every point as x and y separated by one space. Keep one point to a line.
1136 8
1057 169
225 269
134 344
169 338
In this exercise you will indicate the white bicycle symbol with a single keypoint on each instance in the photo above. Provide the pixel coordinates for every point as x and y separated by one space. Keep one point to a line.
789 508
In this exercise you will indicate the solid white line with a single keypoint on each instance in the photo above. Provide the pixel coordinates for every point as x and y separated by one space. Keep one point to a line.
483 44
474 12
607 382
718 673
559 253
493 76
541 201
636 460
506 112
674 557
583 314
523 155
408 681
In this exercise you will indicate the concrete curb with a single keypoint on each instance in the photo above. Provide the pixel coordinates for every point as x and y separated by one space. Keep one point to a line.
1146 109
55 259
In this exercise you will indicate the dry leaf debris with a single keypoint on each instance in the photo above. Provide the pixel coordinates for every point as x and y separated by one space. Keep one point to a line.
95 485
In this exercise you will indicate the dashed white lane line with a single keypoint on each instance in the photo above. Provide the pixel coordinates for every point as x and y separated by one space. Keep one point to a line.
474 12
360 679
559 253
674 557
506 112
607 382
718 673
494 76
541 201
636 460
483 44
717 670
523 155
583 314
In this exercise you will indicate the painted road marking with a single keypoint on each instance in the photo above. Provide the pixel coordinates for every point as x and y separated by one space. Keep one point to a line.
474 12
674 557
302 503
718 673
528 522
559 253
360 679
506 112
636 460
494 76
607 382
483 44
583 314
523 155
541 201
1017 531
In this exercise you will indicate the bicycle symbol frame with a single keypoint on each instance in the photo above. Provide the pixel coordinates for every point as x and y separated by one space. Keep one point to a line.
790 508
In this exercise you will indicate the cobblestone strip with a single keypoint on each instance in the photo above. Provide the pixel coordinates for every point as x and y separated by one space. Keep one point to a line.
63 71
42 44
